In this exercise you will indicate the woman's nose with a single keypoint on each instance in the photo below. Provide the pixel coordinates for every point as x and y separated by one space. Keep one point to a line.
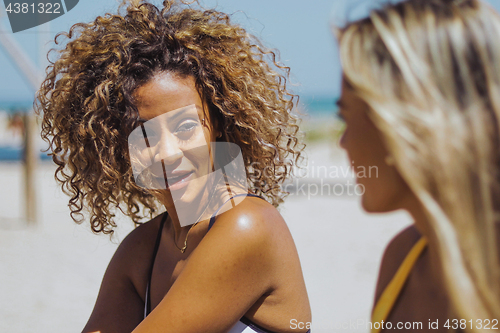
168 149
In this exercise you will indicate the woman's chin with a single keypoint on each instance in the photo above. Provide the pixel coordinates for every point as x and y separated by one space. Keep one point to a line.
187 197
376 205
372 204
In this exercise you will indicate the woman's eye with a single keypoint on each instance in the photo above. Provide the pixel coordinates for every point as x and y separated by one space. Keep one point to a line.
186 127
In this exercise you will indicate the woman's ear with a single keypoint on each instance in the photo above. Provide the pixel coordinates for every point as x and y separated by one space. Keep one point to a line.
216 122
210 119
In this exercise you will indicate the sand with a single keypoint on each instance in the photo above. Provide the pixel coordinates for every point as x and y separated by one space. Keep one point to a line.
51 272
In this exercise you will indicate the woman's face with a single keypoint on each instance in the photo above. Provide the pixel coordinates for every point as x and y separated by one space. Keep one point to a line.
173 141
384 188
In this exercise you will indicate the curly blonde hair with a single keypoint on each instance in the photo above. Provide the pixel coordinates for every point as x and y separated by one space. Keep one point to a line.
88 106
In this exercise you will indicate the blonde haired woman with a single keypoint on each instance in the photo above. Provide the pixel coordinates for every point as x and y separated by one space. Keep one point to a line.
421 101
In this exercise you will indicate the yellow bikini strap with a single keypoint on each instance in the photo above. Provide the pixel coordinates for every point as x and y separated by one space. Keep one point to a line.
391 292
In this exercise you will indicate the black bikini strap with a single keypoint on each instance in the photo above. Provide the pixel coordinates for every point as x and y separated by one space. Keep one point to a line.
157 246
212 219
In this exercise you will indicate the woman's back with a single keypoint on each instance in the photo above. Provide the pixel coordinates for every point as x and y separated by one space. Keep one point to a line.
422 299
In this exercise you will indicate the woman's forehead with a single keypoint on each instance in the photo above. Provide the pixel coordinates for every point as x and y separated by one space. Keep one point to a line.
174 116
167 92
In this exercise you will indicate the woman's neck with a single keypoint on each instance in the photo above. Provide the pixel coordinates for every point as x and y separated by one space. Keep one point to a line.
422 224
183 216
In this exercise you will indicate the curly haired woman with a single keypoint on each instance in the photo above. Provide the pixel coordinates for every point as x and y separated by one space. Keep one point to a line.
196 79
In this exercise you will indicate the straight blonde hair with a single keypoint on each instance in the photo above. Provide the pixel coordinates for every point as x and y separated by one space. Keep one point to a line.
430 72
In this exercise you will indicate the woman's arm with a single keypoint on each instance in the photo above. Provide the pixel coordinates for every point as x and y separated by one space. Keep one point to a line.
232 267
119 308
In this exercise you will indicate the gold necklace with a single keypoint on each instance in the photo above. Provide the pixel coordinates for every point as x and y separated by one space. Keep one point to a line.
187 235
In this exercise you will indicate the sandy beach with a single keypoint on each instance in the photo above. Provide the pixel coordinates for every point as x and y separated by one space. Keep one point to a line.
51 271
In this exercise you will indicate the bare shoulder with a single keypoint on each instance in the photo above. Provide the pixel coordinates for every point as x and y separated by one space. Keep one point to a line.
120 301
252 234
253 220
137 247
132 258
394 255
141 236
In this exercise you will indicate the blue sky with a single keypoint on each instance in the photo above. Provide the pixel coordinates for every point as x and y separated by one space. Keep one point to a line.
298 29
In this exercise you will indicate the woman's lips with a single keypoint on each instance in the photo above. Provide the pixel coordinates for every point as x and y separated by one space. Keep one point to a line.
178 180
